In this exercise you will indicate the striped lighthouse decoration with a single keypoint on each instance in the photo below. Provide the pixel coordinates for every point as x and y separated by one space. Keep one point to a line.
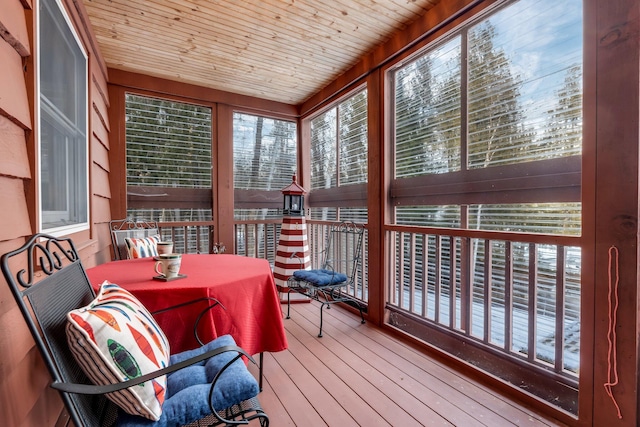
293 247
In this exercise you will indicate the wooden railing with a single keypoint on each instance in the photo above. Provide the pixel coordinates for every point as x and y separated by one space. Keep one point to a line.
189 237
504 293
258 238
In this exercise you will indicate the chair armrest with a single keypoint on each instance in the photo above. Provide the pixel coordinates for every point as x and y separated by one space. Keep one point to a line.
109 388
195 301
215 411
212 302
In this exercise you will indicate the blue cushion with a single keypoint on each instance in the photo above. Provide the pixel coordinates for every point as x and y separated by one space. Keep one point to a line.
188 389
320 277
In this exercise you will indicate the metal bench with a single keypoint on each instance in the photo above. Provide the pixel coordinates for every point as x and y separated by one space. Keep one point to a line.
340 265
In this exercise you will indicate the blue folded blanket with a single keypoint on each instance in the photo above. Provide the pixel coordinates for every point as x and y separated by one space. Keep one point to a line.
320 277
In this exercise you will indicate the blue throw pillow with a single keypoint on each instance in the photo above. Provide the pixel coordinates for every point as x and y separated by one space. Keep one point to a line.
320 277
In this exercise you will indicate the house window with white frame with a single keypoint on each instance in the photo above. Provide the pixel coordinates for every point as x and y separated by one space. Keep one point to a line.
63 144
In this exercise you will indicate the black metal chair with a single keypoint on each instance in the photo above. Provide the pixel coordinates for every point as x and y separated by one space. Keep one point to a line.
123 228
338 273
52 284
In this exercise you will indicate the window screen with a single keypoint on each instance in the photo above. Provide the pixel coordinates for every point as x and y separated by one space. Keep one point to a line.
168 148
264 159
339 156
502 95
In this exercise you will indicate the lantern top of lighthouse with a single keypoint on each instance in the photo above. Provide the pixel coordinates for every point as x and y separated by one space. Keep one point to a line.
293 188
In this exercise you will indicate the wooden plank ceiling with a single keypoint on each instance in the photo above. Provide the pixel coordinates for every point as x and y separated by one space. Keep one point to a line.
281 50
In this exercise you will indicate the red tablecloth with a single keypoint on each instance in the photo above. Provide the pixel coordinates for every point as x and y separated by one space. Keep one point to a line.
245 286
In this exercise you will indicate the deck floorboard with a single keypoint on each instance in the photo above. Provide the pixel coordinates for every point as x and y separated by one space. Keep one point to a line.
359 375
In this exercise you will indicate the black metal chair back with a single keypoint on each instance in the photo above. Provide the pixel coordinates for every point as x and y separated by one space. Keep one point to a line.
343 250
53 284
123 228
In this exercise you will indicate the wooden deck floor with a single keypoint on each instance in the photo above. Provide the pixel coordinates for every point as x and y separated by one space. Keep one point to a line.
357 375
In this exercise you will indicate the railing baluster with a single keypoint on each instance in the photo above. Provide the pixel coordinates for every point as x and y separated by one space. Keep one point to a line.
401 270
508 297
487 291
268 234
236 231
561 254
532 302
424 274
265 244
185 238
254 240
438 276
391 261
466 285
246 240
452 282
412 270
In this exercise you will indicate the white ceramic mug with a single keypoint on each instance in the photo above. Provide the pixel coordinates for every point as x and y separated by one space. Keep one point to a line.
164 247
168 265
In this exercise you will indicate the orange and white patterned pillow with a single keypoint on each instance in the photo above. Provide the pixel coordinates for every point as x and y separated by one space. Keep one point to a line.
142 247
114 338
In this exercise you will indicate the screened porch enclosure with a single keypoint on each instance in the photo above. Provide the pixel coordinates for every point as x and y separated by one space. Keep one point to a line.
482 208
490 147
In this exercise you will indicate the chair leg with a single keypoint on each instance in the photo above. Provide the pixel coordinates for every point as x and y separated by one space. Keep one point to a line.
260 370
288 304
321 307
